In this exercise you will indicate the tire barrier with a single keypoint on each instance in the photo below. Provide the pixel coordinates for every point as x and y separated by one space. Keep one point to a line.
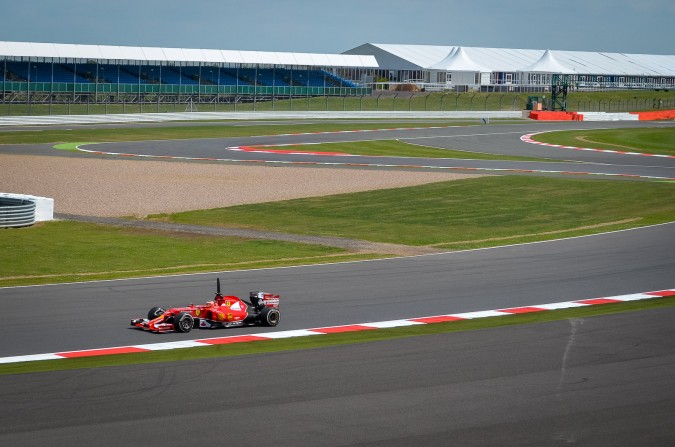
16 212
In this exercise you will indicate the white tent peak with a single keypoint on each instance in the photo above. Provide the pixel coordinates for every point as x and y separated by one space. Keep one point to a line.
459 60
443 62
547 63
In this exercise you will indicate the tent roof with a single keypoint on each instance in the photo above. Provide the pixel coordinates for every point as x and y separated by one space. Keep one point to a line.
458 60
156 54
547 63
512 60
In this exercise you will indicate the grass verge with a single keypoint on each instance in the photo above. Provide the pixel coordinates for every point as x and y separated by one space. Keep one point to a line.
482 212
61 251
97 135
394 148
323 341
471 213
650 140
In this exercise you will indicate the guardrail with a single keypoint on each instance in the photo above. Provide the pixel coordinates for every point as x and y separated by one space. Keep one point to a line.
15 212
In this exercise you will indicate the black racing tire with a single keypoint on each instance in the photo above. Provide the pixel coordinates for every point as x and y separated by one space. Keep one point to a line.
183 322
155 312
269 316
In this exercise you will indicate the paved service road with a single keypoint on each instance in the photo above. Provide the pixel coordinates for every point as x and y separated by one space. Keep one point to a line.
601 381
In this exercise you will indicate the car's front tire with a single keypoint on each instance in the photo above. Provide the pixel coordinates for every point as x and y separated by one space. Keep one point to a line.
183 322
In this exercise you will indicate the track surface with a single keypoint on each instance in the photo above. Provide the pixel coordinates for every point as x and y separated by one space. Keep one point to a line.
502 140
477 388
602 381
495 139
94 315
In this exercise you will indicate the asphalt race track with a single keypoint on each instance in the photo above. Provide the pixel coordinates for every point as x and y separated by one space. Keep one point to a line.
496 139
599 381
96 314
602 381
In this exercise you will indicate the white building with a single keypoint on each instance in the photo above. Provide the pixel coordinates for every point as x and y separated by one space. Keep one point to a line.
503 69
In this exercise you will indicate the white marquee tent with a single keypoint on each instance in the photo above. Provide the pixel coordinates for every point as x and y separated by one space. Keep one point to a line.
547 64
430 57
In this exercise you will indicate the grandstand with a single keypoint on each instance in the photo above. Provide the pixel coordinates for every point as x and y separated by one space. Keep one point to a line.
46 73
64 73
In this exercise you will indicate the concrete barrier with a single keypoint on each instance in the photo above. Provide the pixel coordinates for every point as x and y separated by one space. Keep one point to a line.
547 115
651 116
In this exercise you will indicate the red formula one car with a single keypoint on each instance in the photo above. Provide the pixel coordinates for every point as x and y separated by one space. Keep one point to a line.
224 311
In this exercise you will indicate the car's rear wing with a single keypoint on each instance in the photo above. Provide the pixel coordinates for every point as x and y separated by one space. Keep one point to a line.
264 299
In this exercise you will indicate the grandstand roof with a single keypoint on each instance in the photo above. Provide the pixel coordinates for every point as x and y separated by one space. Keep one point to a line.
156 54
421 57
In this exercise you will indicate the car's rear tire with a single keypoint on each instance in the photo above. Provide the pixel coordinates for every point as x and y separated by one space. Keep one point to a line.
155 312
183 322
269 316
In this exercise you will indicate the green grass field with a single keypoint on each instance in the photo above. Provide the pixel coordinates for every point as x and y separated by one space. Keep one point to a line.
471 213
61 251
481 212
198 131
649 140
395 148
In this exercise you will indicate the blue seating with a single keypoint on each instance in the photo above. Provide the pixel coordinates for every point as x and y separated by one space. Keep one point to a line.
228 78
41 72
174 75
338 81
155 74
310 78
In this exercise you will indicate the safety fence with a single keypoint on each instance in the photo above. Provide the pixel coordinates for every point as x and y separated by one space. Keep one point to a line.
309 99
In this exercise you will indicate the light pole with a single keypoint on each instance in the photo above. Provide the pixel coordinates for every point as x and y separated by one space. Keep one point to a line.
140 104
35 79
211 81
28 87
96 86
105 100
